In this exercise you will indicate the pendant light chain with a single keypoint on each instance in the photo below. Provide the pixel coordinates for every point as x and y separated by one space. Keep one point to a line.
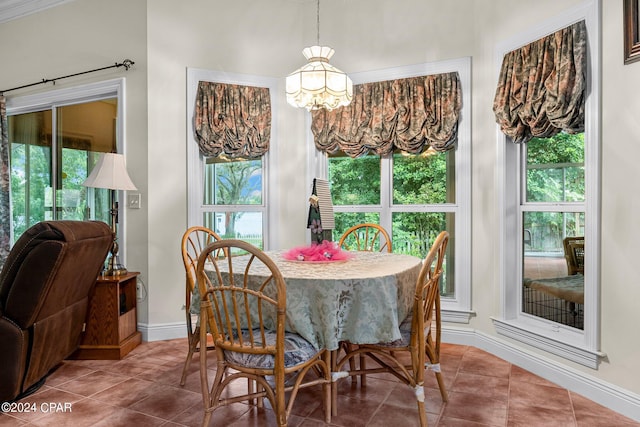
318 23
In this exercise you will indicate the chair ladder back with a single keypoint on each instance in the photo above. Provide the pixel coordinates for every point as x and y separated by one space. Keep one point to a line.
370 242
194 241
208 303
429 288
421 345
365 237
574 254
233 295
245 308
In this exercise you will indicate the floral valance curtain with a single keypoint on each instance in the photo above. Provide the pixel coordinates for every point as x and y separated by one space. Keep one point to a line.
5 212
232 119
410 114
542 86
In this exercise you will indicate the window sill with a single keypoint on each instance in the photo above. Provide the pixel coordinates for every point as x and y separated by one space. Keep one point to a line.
456 316
560 347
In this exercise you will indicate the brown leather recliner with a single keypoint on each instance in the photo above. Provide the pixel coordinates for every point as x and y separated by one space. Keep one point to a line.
44 289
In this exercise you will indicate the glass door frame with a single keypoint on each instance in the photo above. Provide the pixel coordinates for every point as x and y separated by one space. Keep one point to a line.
107 89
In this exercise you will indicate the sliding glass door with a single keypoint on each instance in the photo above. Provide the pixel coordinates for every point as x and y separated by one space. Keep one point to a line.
52 152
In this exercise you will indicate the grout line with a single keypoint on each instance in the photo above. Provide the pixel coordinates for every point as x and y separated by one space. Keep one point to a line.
513 385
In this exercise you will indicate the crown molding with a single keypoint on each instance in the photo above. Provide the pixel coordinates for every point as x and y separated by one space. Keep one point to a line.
14 9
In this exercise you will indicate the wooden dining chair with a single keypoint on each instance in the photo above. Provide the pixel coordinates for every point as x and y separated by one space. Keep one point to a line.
246 314
574 254
366 237
420 335
194 240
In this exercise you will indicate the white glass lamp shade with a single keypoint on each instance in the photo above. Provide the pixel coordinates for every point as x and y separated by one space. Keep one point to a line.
318 84
110 172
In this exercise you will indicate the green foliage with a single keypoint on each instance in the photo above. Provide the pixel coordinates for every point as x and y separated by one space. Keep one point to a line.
31 180
355 181
345 220
561 148
415 232
30 176
555 168
418 180
233 182
233 185
555 173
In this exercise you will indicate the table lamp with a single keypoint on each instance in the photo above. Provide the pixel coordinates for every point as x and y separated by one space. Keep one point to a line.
110 172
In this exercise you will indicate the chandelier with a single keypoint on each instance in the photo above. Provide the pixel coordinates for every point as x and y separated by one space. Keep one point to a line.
318 84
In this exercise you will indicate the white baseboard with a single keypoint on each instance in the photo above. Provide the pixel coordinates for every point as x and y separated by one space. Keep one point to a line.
601 392
164 331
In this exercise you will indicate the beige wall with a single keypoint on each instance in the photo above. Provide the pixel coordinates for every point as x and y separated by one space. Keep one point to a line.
620 244
265 38
84 35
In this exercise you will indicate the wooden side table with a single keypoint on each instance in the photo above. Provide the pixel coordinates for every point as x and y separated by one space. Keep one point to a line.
111 329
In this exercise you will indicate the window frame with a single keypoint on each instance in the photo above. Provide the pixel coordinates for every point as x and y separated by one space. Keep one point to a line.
114 88
196 162
458 308
582 347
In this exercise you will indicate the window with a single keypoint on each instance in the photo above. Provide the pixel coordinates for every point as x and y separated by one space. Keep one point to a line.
550 191
552 210
419 204
233 203
228 195
55 140
414 197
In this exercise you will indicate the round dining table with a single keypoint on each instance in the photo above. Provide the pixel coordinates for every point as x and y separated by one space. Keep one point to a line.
362 299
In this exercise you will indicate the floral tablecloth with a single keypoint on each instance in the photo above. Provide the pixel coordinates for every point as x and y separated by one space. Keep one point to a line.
363 299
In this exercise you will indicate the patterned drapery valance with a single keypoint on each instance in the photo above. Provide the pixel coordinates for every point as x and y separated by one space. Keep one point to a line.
409 114
232 119
542 86
5 211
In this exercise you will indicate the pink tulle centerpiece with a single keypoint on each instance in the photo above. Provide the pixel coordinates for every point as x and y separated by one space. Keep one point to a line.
317 252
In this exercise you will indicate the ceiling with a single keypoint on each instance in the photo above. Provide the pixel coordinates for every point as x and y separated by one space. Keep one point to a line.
13 9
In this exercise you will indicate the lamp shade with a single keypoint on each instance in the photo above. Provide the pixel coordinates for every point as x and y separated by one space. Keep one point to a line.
318 84
110 172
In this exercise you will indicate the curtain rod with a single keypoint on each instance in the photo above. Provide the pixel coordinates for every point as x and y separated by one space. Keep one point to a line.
127 63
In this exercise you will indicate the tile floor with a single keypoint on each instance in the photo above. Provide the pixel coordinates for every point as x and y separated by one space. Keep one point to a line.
143 390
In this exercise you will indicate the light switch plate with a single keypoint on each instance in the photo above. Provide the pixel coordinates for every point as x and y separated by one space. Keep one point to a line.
133 201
